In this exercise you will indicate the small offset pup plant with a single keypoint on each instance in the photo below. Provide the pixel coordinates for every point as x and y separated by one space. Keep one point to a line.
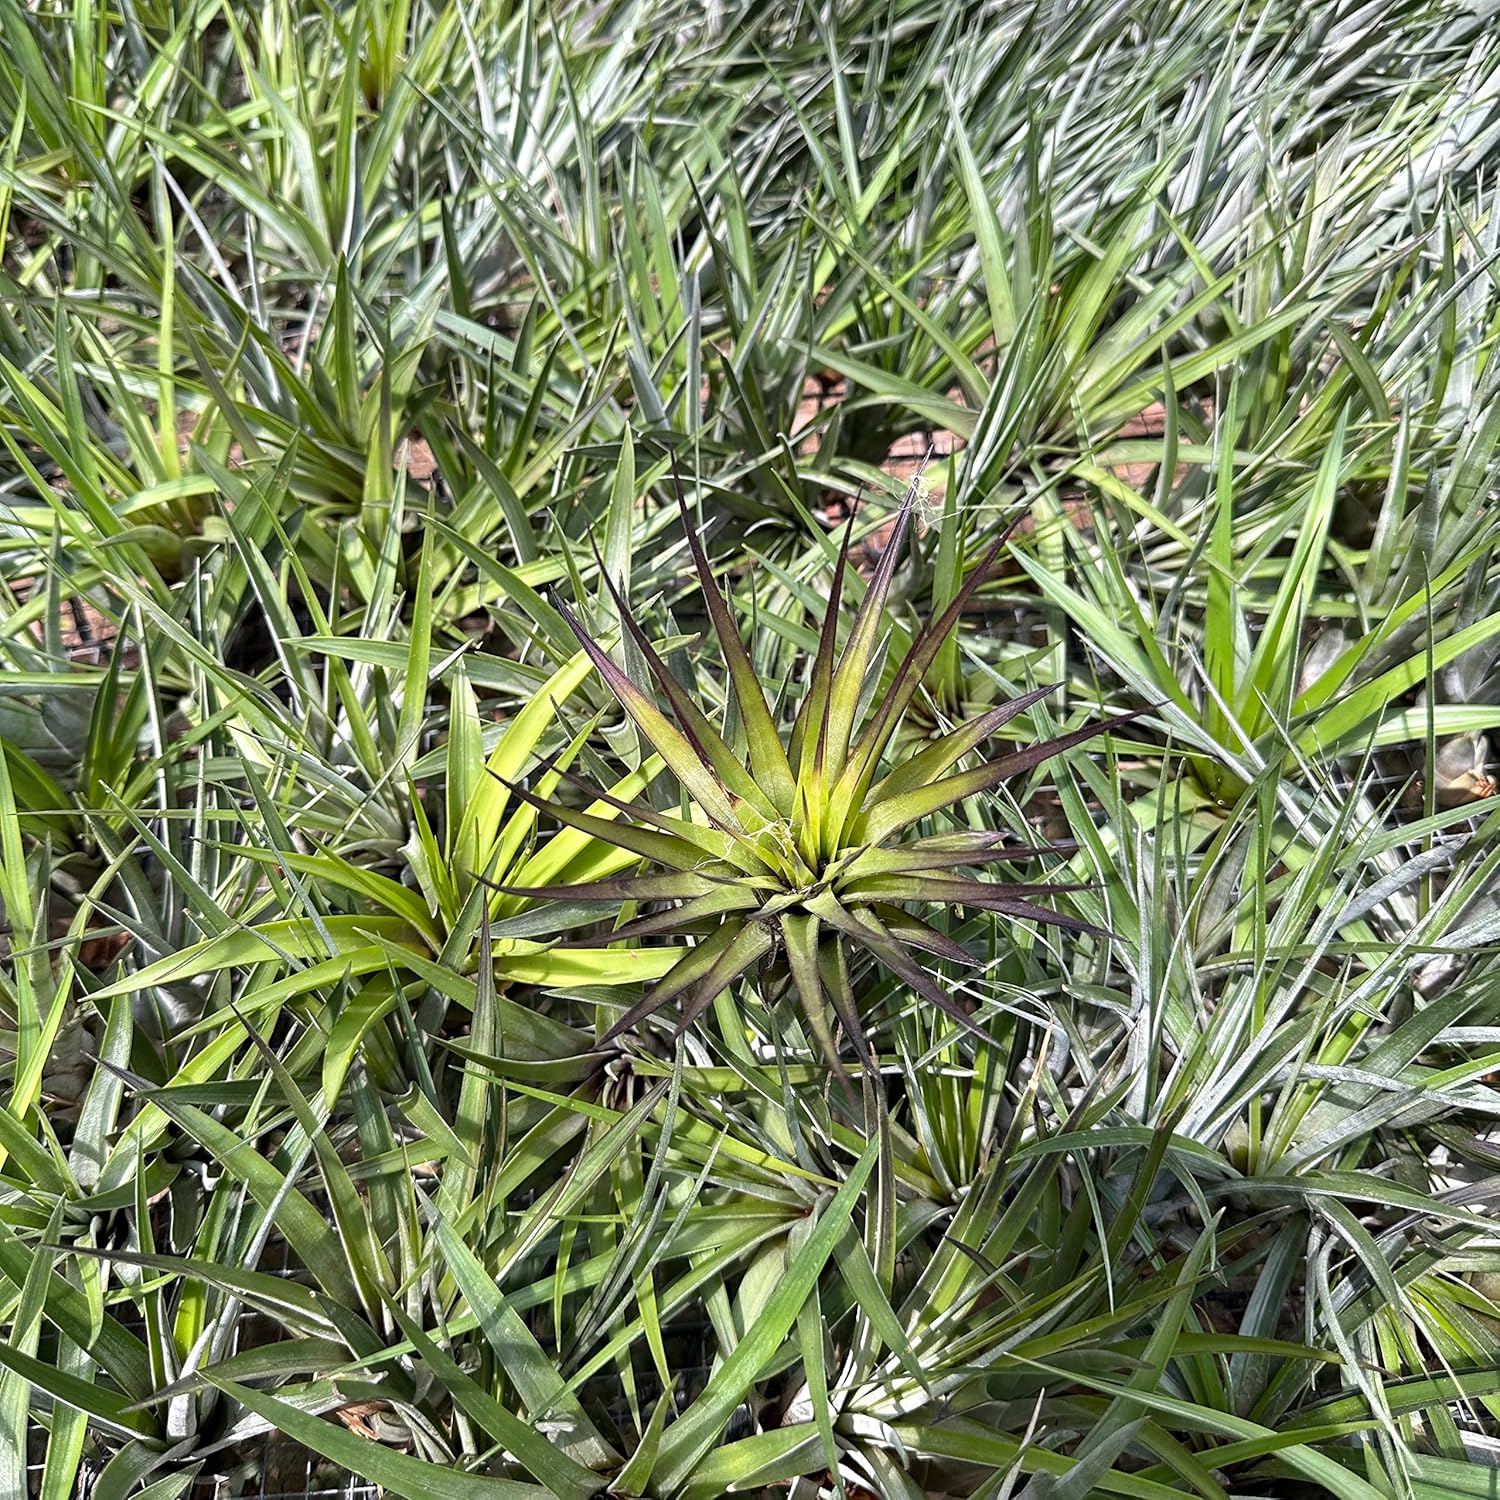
807 845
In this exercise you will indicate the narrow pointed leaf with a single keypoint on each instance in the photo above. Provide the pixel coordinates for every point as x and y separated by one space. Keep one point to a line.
919 658
767 754
911 807
929 763
691 768
704 738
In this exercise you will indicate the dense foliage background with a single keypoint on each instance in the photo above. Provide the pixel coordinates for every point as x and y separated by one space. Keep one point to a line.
553 944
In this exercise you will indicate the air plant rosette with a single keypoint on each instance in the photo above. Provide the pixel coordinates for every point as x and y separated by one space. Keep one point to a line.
805 851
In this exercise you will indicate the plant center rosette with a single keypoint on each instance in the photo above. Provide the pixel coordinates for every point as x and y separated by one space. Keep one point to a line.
806 842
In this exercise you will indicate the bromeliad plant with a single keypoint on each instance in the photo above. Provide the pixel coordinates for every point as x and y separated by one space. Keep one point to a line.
353 946
809 847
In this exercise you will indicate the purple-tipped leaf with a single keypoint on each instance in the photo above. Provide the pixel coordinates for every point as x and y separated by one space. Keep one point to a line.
919 657
750 945
680 919
704 738
978 895
799 935
663 849
949 853
915 933
815 705
714 842
867 930
933 761
680 887
692 966
767 754
685 762
878 823
859 649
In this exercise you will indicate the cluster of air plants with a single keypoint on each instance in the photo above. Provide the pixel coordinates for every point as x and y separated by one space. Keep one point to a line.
570 927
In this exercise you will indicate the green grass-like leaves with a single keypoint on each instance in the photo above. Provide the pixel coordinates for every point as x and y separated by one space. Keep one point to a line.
554 942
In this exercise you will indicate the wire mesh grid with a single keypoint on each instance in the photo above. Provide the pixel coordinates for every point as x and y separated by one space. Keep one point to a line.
87 636
284 1470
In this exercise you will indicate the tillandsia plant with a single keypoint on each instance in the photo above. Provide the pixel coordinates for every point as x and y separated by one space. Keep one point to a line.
375 943
807 846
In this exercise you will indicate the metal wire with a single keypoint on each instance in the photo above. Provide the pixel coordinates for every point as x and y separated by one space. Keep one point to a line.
280 1462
